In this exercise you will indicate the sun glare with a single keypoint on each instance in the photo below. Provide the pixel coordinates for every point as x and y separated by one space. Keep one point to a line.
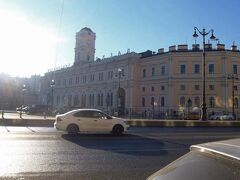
26 48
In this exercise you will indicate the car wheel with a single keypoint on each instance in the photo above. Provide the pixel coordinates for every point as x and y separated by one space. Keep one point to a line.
72 129
117 130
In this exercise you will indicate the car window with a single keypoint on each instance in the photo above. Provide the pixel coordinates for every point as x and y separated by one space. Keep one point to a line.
88 114
100 115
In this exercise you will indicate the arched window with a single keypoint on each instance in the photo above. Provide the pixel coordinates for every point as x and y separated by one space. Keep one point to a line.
144 73
182 101
143 101
83 100
211 102
197 101
162 102
152 101
76 100
236 102
69 100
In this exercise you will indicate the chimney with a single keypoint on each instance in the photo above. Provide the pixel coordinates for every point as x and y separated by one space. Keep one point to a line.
172 48
208 46
183 47
195 47
160 50
220 47
234 47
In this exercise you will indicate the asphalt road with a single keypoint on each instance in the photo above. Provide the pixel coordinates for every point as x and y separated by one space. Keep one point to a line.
44 153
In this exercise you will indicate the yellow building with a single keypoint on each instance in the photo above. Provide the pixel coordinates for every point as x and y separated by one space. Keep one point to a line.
158 84
172 81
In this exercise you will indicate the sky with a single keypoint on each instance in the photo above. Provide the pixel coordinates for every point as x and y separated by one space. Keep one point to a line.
38 35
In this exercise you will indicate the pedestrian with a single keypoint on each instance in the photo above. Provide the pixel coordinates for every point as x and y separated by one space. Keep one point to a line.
20 114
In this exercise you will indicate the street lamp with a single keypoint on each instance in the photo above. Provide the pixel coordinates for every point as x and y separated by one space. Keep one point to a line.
23 91
232 77
52 99
195 35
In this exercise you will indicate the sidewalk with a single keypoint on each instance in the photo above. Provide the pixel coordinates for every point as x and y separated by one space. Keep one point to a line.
13 119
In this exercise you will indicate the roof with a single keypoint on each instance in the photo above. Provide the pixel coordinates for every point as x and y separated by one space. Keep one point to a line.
86 29
227 148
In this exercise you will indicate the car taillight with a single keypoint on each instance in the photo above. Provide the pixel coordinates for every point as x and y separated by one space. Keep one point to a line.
59 119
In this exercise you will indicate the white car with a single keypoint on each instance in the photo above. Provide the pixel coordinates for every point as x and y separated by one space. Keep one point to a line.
90 120
222 117
214 160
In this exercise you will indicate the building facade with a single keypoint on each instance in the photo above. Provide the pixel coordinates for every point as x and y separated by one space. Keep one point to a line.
161 84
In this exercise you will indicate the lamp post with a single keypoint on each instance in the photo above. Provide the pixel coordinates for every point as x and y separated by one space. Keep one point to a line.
232 77
23 91
120 74
52 99
195 35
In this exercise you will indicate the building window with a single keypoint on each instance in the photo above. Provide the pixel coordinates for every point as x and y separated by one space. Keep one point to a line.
211 102
182 87
75 100
152 101
153 71
143 89
211 68
83 100
211 87
235 69
144 73
143 101
182 101
70 81
152 88
91 100
110 75
64 82
162 88
100 76
236 102
196 87
182 69
59 82
197 69
163 69
92 77
84 79
101 100
235 88
197 101
70 100
98 100
162 102
77 80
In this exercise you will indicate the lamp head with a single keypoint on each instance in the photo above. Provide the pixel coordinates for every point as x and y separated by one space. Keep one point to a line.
195 35
212 36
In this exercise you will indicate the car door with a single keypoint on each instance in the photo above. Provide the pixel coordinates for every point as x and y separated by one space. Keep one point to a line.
103 122
85 120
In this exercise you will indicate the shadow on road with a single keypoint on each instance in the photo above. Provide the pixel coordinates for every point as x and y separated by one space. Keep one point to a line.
125 144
